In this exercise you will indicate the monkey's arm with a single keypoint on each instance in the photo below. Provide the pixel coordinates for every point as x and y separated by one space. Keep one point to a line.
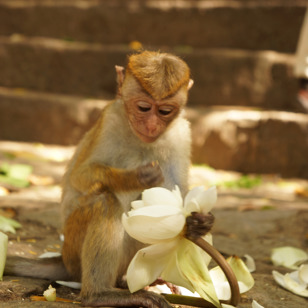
95 177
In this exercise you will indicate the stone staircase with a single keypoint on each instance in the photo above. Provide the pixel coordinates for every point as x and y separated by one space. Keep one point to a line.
57 62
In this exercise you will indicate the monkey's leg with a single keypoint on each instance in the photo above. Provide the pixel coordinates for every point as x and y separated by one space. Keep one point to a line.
105 257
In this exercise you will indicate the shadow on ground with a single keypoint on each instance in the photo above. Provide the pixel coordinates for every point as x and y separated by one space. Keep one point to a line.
253 215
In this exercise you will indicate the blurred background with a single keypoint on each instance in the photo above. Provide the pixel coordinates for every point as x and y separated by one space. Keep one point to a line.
248 110
57 61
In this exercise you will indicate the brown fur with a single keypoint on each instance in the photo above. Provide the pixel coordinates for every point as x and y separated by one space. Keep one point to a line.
160 74
111 167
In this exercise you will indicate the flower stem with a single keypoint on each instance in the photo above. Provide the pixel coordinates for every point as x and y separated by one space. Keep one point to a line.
220 260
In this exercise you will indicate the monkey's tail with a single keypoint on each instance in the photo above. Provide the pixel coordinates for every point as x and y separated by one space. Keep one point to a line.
45 268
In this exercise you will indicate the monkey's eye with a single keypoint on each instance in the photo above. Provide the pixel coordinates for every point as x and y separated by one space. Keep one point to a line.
165 110
144 106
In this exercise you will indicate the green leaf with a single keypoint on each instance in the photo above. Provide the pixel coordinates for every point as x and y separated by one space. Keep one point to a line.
16 175
8 224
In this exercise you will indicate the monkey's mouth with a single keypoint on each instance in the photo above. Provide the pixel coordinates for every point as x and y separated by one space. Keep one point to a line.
145 138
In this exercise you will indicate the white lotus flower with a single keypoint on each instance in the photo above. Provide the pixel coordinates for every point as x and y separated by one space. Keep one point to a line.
158 219
296 282
289 257
3 250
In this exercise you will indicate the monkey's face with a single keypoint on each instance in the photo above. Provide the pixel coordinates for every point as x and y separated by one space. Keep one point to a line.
148 117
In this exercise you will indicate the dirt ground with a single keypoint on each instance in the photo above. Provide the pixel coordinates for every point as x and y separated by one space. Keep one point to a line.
253 215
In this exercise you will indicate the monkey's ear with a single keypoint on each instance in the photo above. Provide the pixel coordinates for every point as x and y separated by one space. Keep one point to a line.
190 84
120 75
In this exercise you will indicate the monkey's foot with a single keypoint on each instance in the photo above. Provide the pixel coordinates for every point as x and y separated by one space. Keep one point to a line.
123 298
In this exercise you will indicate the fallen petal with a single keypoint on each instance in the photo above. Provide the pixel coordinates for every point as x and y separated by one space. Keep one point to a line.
255 304
242 273
70 284
227 306
288 257
250 263
303 273
3 251
50 254
243 276
288 283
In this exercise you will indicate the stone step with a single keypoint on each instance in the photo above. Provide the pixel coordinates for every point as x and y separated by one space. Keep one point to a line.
260 79
239 24
238 139
251 141
44 117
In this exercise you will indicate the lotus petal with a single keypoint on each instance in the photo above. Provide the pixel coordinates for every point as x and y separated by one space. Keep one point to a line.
192 265
205 199
159 195
177 194
255 304
70 284
191 198
242 273
153 224
250 263
303 273
148 264
173 274
289 283
137 204
288 257
243 276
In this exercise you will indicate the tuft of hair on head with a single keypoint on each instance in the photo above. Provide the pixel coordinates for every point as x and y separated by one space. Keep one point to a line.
160 74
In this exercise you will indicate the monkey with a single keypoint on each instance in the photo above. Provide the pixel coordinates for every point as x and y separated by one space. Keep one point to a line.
141 140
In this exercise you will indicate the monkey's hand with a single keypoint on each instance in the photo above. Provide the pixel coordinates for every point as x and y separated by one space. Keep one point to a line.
150 175
199 224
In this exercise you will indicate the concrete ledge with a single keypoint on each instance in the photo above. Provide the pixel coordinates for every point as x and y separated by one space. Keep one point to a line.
210 24
47 118
251 141
261 79
233 139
